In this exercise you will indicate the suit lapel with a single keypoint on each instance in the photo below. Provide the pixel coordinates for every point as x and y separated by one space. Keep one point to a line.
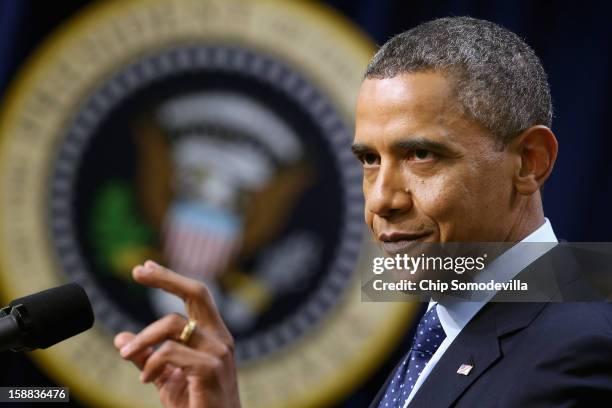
476 345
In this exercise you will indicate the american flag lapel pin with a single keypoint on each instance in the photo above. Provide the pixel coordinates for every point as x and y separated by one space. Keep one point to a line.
465 369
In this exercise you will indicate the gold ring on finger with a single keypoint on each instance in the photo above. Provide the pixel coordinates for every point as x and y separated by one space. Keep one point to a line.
188 331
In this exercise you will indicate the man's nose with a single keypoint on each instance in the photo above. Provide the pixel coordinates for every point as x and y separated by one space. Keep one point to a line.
390 194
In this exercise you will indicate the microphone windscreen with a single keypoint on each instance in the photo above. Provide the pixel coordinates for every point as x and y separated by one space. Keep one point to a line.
56 314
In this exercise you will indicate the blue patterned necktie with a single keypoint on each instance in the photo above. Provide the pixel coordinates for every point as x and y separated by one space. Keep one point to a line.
429 335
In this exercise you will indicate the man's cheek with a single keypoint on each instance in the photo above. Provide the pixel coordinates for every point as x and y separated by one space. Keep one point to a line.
445 202
436 196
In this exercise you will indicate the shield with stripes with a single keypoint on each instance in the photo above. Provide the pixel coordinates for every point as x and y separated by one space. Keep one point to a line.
199 240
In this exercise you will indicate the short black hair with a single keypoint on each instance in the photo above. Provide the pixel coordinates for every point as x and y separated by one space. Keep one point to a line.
500 80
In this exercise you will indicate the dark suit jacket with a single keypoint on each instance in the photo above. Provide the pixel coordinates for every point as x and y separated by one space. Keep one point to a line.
529 354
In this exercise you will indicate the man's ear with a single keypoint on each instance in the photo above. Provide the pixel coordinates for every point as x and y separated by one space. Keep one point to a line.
536 149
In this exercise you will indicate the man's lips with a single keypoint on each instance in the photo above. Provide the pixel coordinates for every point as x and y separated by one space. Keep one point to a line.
396 242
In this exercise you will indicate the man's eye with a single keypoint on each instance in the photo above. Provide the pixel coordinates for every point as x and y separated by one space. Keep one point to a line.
422 154
369 159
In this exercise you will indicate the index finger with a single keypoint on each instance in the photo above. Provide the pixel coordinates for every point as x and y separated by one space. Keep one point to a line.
198 300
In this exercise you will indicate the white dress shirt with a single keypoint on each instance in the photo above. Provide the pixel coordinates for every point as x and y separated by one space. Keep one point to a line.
455 314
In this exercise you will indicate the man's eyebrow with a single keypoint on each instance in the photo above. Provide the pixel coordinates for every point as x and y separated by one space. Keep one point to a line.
424 144
360 148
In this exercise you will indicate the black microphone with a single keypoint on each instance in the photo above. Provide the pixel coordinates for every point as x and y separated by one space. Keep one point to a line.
45 318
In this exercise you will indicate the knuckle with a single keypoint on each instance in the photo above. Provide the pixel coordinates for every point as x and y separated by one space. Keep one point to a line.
175 320
199 290
215 365
227 340
230 343
224 350
166 348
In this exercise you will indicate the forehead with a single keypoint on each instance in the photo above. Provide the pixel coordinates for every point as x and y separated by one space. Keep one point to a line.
427 95
421 104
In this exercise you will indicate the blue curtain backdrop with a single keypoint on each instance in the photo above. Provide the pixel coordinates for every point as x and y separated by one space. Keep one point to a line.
574 41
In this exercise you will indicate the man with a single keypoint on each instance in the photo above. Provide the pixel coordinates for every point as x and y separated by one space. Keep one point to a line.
453 131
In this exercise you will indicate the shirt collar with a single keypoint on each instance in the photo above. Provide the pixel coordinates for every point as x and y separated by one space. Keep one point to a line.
455 314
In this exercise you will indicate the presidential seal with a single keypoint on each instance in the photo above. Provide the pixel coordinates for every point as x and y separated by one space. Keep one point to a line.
213 137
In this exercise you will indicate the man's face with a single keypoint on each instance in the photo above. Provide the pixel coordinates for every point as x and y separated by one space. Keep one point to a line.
430 174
